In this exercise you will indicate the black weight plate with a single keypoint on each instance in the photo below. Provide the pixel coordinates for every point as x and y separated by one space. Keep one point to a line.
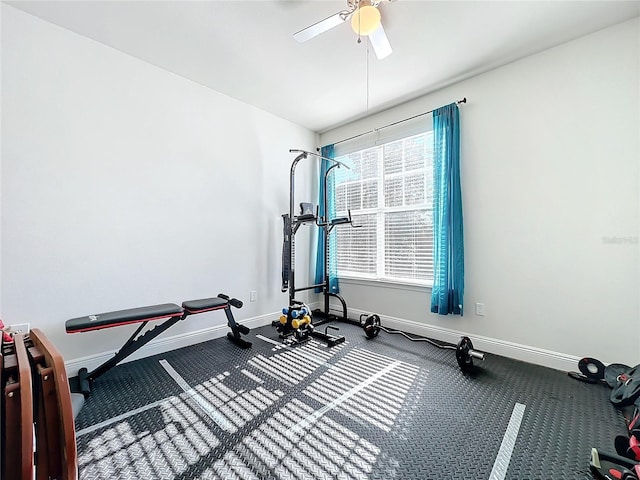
372 326
613 371
581 377
626 393
592 368
376 325
462 354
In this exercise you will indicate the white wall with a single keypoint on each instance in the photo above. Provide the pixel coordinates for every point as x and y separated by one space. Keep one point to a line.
550 175
124 185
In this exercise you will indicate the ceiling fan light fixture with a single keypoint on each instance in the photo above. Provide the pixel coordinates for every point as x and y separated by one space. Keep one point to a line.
365 20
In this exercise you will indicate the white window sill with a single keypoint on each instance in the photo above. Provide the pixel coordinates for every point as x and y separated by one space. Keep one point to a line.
370 282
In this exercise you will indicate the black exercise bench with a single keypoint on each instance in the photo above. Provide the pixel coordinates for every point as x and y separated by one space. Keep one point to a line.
169 312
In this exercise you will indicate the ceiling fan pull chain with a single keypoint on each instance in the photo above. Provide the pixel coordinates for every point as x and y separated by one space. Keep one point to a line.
367 73
359 20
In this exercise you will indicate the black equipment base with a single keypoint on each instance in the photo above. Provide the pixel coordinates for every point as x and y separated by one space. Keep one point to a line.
320 318
331 340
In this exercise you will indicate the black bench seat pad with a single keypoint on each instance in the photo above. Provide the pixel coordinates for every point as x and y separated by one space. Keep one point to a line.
123 317
204 305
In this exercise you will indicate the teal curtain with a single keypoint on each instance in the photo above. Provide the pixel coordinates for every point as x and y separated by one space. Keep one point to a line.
329 152
448 258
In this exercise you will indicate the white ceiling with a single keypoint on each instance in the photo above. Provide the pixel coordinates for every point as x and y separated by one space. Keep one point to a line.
245 49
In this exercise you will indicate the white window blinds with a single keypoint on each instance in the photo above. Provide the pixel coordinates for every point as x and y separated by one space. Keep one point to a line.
389 193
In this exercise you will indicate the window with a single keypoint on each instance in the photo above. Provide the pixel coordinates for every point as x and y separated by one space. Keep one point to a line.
389 193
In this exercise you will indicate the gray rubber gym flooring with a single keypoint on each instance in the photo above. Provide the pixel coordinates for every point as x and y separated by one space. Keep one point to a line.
385 408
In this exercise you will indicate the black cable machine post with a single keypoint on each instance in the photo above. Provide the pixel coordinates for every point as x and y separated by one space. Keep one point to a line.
328 225
296 319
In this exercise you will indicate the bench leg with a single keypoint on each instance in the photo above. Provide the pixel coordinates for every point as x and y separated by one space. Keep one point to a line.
235 335
134 343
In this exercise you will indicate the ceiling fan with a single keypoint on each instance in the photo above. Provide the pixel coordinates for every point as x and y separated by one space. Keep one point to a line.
365 20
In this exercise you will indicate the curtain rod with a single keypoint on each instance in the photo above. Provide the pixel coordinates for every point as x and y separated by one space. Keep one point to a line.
464 100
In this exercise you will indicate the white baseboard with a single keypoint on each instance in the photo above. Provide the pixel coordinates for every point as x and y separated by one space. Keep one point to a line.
525 353
165 344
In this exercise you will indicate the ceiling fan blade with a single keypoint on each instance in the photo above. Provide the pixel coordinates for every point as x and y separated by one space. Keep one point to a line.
380 43
322 26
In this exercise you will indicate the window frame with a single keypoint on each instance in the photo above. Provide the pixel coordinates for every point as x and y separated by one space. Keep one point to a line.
381 211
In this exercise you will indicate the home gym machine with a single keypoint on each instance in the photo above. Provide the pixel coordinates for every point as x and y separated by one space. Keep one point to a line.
297 320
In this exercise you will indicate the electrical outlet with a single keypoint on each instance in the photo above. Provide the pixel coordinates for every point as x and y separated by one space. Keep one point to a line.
480 309
253 296
19 328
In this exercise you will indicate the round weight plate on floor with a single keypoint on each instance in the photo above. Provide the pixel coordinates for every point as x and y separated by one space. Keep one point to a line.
462 354
372 326
613 371
592 368
627 391
582 378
